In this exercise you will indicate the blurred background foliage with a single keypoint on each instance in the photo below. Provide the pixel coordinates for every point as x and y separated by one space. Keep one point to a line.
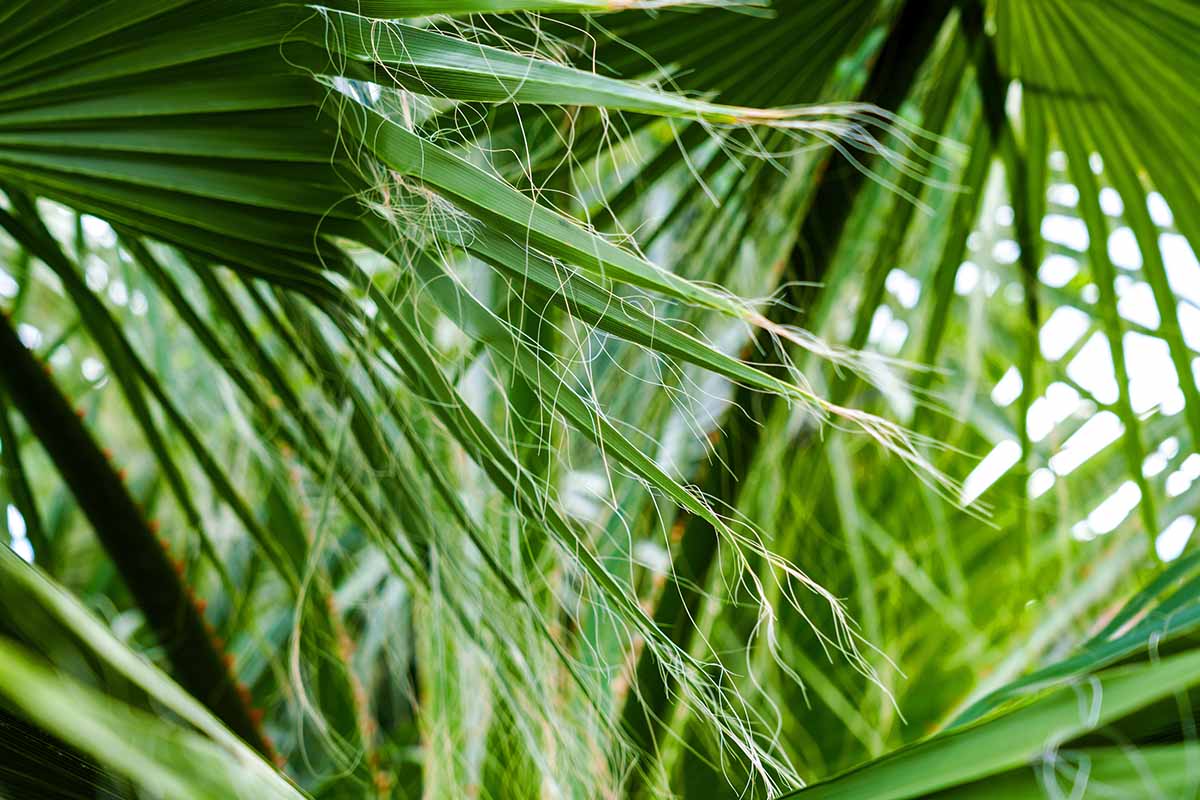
455 501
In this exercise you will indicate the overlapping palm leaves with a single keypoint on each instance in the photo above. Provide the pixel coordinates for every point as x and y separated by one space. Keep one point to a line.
282 140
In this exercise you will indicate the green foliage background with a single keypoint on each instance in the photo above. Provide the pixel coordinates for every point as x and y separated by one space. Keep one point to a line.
464 398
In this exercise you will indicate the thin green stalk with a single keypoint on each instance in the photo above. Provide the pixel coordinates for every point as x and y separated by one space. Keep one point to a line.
1022 192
